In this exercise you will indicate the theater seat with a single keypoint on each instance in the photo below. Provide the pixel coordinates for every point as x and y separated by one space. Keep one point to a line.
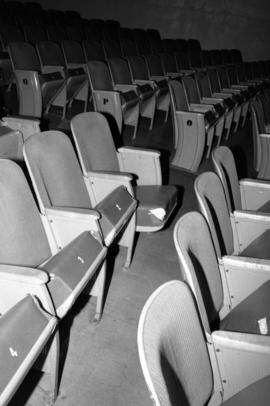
76 81
101 162
146 92
26 331
182 364
238 234
213 120
32 262
121 103
59 183
244 194
231 294
37 92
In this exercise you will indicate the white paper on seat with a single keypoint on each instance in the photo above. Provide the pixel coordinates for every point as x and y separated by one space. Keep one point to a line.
263 326
158 213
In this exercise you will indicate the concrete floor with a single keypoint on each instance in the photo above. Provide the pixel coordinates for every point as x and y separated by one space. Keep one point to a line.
100 363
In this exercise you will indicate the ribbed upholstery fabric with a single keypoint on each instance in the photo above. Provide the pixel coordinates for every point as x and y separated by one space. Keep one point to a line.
212 200
175 350
99 75
178 95
226 169
138 67
198 260
73 52
22 240
56 170
95 141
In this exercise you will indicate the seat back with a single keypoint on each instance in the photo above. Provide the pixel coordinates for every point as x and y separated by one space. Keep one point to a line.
120 71
24 331
50 53
93 51
74 33
224 164
214 80
56 33
23 240
10 33
73 52
154 65
138 67
99 74
141 40
94 142
169 63
203 84
112 48
23 56
223 77
178 96
191 89
199 265
55 171
35 33
128 47
172 349
213 205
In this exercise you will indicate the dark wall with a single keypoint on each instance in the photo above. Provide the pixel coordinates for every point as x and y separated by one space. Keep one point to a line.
243 24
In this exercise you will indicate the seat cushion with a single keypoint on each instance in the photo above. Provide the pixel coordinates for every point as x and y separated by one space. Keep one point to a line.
146 91
128 99
245 316
154 197
115 210
70 266
256 394
259 248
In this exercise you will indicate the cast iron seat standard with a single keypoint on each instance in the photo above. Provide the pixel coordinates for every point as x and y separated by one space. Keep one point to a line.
261 140
229 99
244 194
180 366
190 133
25 332
214 122
52 59
232 295
140 75
206 96
102 164
239 94
37 92
61 187
239 234
31 259
122 80
122 105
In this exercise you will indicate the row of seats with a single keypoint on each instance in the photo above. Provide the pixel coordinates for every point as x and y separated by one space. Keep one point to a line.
215 324
58 250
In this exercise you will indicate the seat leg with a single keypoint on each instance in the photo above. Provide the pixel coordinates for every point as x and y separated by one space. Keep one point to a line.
131 237
51 367
98 291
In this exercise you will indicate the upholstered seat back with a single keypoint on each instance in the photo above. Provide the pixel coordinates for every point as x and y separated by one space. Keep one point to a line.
172 348
120 71
178 96
58 177
199 265
213 204
22 240
191 89
100 77
225 167
95 143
